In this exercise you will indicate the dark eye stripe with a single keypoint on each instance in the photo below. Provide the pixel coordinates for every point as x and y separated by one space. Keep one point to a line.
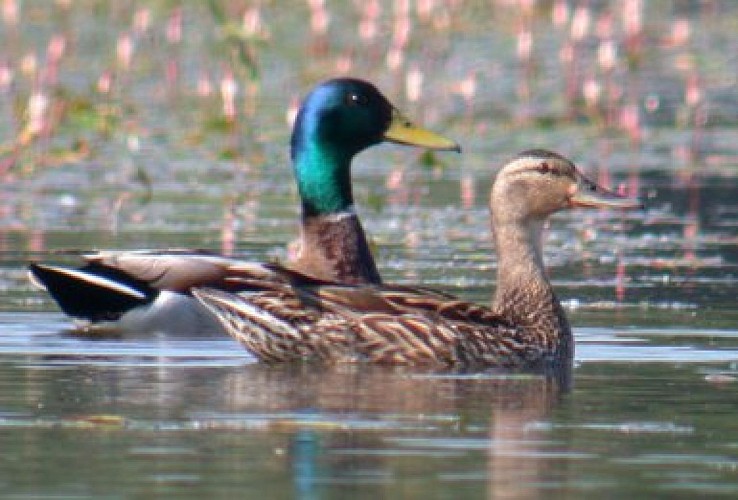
545 168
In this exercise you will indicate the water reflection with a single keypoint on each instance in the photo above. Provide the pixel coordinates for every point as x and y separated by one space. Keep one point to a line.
198 417
407 413
323 427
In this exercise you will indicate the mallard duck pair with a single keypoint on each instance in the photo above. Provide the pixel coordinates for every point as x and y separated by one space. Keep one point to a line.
329 304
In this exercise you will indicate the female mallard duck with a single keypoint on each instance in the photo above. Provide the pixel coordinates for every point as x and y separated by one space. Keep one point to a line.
297 317
337 120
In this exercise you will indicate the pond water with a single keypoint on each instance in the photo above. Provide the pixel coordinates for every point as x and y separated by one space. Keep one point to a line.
136 149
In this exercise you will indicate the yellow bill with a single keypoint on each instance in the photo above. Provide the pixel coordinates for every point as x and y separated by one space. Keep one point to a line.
403 131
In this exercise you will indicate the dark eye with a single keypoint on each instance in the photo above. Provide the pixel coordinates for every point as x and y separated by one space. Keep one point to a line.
544 168
353 99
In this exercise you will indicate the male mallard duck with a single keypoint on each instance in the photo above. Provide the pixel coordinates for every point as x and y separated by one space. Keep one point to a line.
337 120
299 318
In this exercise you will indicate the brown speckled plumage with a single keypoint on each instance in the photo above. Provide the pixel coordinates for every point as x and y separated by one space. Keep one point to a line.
300 318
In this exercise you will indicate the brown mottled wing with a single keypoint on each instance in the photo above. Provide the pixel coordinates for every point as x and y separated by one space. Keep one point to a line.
407 339
275 326
494 345
421 326
306 319
429 338
418 299
395 299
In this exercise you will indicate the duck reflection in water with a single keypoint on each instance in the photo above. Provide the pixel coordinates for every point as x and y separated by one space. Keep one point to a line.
369 425
321 425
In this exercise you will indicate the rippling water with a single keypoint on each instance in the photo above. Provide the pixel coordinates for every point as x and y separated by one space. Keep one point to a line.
650 407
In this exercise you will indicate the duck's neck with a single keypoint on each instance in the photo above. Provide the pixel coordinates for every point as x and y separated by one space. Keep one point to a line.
323 177
332 243
524 295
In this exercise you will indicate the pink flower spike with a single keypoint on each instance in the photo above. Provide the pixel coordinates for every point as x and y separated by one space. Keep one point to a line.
414 84
607 55
141 20
6 77
525 44
11 12
38 103
174 26
580 23
204 86
251 21
105 82
560 13
228 90
125 50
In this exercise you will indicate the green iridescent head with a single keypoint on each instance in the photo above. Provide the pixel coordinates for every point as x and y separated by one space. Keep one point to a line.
337 120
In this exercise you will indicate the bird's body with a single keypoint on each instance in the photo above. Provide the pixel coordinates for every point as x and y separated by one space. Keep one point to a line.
295 317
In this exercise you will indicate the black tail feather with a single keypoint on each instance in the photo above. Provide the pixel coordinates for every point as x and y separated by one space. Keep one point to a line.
93 293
